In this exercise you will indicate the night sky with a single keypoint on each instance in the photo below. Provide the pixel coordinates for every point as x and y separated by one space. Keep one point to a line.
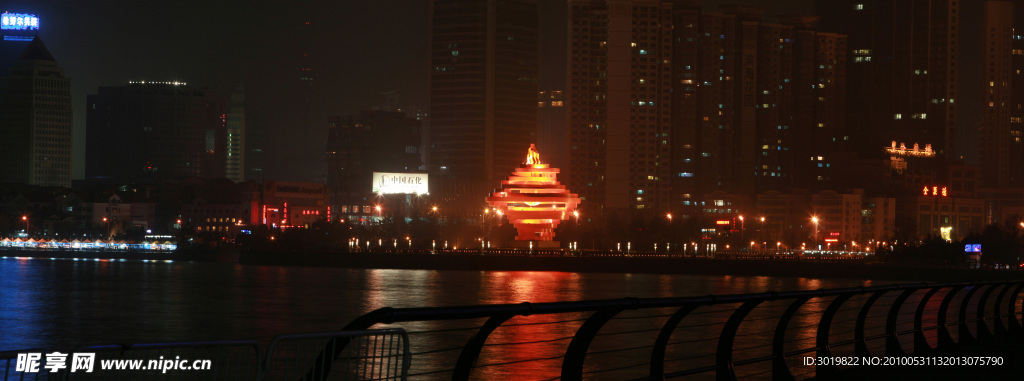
357 49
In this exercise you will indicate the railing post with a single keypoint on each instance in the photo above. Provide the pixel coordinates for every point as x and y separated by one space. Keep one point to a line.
576 353
860 345
661 343
984 334
470 352
824 325
892 343
920 342
780 370
1015 326
964 337
726 372
945 339
997 325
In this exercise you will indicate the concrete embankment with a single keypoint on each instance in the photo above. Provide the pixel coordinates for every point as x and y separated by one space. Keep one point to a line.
620 264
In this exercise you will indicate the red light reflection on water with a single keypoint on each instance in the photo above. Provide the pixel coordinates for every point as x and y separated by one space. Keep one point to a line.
531 346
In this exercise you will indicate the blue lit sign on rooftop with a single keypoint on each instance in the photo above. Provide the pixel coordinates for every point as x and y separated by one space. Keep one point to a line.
19 21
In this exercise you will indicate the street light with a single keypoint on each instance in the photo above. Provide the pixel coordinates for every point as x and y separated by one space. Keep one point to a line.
814 219
742 230
106 221
25 218
761 231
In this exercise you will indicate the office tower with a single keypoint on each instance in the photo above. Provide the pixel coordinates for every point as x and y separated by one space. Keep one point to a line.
236 148
35 120
373 141
902 71
154 131
483 90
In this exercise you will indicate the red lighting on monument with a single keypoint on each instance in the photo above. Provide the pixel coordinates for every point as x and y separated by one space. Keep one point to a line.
533 199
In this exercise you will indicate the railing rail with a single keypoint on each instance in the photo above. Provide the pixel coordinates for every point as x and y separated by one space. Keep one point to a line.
890 320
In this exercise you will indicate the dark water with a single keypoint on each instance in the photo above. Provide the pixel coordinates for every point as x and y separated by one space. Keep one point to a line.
56 304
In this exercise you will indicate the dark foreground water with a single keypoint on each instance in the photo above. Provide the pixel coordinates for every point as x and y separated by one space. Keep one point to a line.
57 304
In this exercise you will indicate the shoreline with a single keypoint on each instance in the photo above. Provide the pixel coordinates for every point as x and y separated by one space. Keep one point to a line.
636 264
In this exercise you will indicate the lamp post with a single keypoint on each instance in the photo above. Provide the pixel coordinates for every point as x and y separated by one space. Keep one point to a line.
814 219
576 228
25 218
107 222
742 229
761 231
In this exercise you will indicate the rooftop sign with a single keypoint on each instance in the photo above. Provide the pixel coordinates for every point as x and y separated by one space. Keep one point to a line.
400 183
19 21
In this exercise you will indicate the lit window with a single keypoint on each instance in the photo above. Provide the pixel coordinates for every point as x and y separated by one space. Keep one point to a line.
859 7
898 116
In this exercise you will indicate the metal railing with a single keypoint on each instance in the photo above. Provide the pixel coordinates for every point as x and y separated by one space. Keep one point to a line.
365 355
8 371
763 335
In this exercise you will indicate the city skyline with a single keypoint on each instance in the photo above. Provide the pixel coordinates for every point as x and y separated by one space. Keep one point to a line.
363 49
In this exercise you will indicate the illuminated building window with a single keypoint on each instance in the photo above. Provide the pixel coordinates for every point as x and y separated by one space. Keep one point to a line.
898 116
859 7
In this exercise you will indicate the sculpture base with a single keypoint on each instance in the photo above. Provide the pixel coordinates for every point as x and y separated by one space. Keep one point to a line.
516 244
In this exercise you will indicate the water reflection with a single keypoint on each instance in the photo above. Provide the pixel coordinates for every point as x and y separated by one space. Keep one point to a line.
60 304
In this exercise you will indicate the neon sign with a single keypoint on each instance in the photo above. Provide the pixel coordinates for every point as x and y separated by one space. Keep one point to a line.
935 191
19 21
723 222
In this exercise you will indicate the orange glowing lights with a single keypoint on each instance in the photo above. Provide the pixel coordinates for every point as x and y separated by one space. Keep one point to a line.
532 156
533 199
935 191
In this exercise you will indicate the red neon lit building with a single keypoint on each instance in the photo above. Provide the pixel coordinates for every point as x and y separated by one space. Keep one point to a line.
533 199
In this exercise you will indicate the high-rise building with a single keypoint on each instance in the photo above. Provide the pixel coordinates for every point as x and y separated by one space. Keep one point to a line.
668 103
373 141
483 90
551 127
1000 126
236 149
902 71
619 104
154 131
35 120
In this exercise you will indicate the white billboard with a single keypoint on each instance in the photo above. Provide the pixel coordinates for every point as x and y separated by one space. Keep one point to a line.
399 183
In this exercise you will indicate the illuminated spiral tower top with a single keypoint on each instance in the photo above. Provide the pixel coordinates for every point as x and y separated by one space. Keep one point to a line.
533 199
